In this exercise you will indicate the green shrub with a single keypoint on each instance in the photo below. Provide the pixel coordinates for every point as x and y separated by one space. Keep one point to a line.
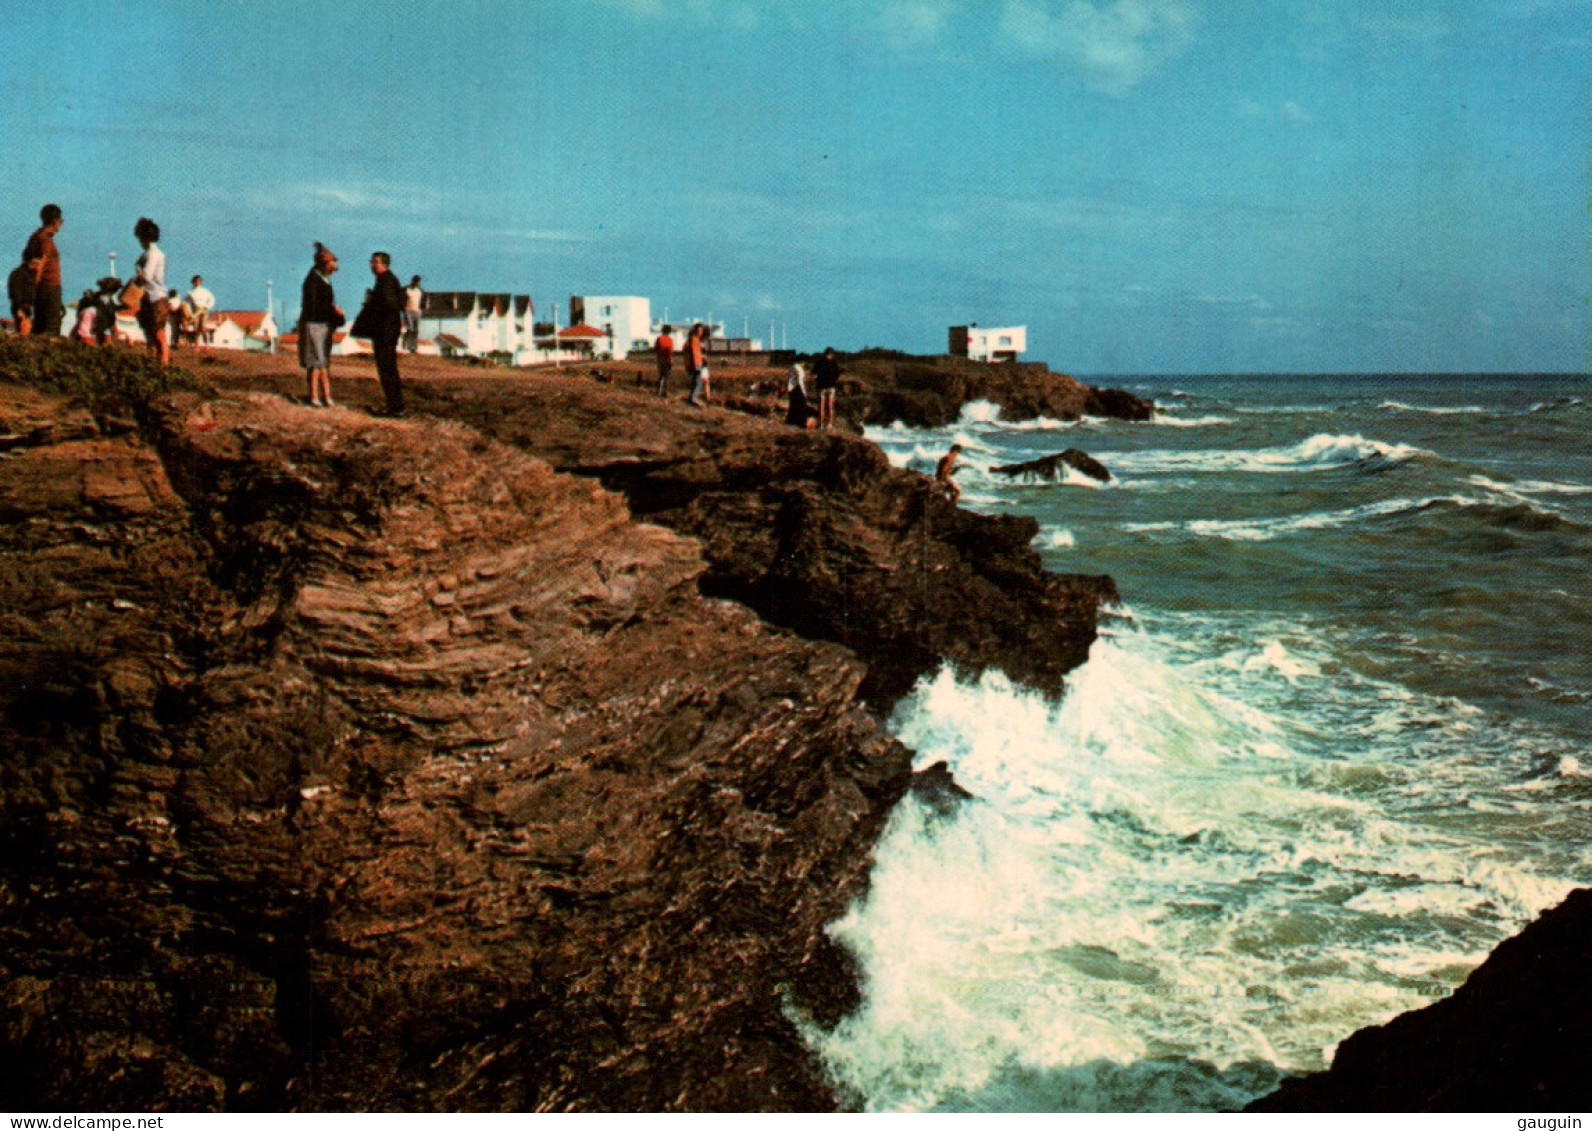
111 379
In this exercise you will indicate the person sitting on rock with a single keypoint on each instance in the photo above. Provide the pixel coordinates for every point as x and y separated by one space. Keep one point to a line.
946 469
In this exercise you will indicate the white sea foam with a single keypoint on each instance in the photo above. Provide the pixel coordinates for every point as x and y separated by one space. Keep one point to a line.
1053 538
1522 490
1267 529
1152 867
1459 410
1322 451
1167 420
980 412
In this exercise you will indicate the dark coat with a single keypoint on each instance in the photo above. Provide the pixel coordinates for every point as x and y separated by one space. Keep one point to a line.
383 315
318 303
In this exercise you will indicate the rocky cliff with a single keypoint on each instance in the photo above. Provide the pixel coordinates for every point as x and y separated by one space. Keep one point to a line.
930 392
1516 1037
364 764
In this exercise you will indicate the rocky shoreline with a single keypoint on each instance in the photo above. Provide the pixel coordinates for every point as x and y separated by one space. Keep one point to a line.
361 764
517 755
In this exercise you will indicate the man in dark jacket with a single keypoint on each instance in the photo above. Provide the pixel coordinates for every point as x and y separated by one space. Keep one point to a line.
383 320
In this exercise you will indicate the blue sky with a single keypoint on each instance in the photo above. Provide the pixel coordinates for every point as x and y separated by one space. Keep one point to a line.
1151 186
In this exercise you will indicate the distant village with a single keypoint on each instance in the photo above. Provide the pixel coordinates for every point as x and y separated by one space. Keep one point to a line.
502 328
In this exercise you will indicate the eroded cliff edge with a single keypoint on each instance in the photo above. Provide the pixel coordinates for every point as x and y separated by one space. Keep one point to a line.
380 765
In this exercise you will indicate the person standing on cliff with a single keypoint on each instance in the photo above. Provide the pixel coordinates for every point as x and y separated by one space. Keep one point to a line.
946 469
798 411
414 301
154 309
48 309
381 320
319 317
696 366
663 349
19 288
201 302
826 374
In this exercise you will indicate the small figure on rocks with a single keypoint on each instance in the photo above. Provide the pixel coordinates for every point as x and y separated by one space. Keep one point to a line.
663 350
154 308
20 288
47 310
319 318
944 471
105 322
799 412
88 313
381 320
826 371
200 303
414 301
696 366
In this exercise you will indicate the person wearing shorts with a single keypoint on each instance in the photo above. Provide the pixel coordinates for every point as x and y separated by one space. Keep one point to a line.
826 375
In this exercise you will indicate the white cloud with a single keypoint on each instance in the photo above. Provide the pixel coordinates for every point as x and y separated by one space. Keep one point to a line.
1236 302
1289 113
914 25
1113 44
1293 112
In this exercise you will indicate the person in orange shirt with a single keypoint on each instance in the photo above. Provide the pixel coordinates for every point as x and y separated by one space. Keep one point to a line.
696 366
664 349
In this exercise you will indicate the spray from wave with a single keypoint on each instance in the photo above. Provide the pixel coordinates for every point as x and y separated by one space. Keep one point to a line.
1161 897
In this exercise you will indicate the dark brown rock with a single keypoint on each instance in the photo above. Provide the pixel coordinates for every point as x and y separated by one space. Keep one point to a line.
1516 1037
1049 468
373 765
930 392
814 530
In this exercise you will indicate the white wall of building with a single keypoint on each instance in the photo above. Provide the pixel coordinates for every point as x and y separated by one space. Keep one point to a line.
625 319
992 343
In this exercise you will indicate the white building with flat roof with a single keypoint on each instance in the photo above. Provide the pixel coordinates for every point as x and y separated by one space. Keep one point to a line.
625 320
995 343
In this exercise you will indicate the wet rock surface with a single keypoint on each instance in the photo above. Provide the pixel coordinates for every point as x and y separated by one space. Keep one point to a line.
1051 469
1516 1037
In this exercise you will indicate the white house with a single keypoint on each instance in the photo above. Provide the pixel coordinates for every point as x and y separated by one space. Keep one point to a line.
477 323
999 343
626 321
242 329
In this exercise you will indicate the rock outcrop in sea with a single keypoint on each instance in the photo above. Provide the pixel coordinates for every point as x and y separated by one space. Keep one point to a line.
360 764
1516 1037
930 392
1050 469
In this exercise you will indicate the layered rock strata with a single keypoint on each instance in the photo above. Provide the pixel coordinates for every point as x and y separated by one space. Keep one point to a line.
375 765
816 531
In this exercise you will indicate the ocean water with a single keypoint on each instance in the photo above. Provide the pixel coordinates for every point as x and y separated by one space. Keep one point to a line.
1331 750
